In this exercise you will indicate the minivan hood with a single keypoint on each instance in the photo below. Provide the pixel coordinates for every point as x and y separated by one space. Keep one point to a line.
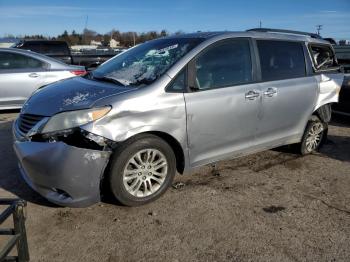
71 94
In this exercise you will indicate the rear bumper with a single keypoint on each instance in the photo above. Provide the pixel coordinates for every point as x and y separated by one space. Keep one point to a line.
63 174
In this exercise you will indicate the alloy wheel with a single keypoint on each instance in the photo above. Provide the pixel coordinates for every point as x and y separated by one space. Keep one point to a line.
314 136
145 172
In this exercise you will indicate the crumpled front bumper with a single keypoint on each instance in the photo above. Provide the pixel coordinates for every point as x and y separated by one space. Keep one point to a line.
64 174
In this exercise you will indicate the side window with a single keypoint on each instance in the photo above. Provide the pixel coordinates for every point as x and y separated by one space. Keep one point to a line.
18 61
323 57
281 60
179 82
225 64
5 60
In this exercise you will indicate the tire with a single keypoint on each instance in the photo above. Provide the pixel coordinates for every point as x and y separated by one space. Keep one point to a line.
314 135
134 176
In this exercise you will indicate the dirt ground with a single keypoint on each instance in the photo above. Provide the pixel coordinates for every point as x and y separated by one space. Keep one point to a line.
270 206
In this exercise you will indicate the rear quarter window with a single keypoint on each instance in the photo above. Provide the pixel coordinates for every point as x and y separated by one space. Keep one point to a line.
281 60
323 57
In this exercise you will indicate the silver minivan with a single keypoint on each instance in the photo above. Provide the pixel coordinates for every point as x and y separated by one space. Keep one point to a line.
173 104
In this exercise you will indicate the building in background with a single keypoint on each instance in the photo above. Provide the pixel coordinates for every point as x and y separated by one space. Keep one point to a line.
114 43
95 43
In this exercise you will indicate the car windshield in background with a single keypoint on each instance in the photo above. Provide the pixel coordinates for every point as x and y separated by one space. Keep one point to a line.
145 63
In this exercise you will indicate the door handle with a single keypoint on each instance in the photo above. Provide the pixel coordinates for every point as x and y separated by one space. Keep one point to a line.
252 95
270 92
33 75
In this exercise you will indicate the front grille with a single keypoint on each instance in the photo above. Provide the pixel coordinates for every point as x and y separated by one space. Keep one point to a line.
26 122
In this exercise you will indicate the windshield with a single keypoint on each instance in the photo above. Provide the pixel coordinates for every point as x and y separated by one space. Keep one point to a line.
145 63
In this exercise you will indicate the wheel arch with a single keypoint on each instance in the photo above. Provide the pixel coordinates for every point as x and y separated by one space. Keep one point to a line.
324 113
172 142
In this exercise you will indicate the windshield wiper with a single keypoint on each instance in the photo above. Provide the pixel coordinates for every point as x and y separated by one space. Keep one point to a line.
109 79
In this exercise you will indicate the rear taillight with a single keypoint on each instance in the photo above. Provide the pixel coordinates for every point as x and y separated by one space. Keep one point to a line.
78 72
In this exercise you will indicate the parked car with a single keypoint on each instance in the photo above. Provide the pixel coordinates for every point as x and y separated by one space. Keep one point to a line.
23 72
93 58
52 48
342 53
61 51
343 107
173 104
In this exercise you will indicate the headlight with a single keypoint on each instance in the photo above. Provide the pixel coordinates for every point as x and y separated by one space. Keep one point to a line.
67 120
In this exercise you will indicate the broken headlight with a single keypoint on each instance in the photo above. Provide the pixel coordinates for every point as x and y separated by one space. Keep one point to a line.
71 119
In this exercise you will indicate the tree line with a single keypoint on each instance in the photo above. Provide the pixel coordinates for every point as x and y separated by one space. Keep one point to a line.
126 39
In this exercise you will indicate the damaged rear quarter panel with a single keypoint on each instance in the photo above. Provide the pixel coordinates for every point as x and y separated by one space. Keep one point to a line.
329 85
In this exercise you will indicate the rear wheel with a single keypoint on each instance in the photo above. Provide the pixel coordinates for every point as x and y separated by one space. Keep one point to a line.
141 170
314 135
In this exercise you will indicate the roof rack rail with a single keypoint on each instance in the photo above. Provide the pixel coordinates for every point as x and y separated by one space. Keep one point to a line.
284 31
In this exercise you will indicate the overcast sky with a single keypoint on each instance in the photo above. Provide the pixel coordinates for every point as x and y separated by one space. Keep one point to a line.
19 17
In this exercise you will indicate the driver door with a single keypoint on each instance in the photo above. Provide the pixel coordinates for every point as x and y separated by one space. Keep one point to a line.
222 109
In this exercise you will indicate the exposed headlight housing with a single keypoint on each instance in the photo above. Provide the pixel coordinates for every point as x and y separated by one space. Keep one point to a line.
71 119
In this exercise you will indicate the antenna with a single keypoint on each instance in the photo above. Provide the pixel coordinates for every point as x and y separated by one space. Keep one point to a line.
319 28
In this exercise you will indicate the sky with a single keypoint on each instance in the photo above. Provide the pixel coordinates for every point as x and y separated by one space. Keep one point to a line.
50 18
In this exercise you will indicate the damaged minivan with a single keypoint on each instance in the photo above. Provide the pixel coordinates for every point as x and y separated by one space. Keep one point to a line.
170 105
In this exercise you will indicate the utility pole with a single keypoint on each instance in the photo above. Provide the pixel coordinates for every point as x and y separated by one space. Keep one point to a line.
86 22
85 27
260 24
133 35
319 28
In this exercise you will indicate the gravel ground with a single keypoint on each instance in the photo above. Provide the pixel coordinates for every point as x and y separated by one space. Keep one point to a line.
270 206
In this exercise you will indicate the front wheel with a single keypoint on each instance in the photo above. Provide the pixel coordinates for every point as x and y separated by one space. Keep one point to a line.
314 135
141 170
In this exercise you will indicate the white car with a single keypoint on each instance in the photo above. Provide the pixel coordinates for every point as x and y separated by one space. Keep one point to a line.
23 72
